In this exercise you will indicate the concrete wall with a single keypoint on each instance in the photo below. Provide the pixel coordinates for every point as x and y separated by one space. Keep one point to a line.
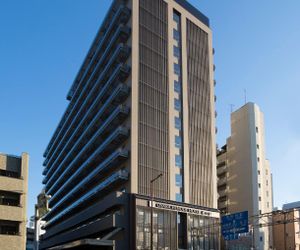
286 236
16 164
249 175
211 179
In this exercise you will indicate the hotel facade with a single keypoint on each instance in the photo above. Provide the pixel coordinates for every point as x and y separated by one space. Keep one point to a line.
131 164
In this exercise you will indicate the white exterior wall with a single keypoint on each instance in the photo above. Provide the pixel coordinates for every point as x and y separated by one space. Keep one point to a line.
249 175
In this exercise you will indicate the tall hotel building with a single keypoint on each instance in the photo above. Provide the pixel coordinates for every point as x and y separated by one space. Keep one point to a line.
245 180
141 109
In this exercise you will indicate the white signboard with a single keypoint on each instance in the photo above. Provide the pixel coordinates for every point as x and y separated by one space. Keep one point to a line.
183 209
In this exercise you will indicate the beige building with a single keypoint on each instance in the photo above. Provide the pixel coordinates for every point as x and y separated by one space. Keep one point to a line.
13 195
286 222
286 230
244 176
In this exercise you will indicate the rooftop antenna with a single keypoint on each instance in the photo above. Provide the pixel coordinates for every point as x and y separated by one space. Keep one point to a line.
245 96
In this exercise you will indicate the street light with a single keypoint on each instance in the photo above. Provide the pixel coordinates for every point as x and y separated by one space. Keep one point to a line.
151 193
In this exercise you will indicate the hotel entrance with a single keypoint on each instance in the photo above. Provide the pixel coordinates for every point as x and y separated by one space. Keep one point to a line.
175 226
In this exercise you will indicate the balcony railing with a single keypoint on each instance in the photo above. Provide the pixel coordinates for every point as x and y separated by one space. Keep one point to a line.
119 55
119 176
119 134
10 174
121 72
107 165
71 195
121 16
222 170
118 115
119 92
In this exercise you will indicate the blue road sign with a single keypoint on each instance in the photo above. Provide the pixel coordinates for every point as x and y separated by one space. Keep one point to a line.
234 224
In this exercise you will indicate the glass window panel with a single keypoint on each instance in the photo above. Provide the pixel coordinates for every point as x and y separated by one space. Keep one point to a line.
177 104
177 69
177 141
179 197
178 123
178 180
178 160
176 17
176 51
177 87
176 35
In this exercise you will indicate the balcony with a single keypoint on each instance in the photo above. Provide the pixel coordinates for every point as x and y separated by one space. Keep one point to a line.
120 73
222 205
87 96
121 36
83 133
108 165
95 176
223 192
222 181
121 16
105 147
222 170
106 186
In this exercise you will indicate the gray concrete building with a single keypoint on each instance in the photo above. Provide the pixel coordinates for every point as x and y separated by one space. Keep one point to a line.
13 196
141 109
244 175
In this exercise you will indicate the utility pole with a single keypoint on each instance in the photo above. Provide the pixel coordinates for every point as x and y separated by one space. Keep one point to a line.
151 194
285 234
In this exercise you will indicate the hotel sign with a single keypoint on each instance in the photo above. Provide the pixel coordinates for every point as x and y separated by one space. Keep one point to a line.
184 209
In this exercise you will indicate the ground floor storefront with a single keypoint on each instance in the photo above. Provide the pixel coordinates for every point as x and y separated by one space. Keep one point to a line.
174 225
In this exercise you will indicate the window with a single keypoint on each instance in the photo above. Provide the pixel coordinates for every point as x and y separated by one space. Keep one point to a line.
259 198
261 238
268 204
177 104
258 159
257 146
176 35
258 172
8 173
177 87
267 183
178 161
178 179
177 123
179 197
176 51
256 129
177 69
176 17
259 185
9 198
9 227
177 141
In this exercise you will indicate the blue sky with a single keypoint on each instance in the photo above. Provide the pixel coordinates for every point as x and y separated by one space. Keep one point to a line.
43 43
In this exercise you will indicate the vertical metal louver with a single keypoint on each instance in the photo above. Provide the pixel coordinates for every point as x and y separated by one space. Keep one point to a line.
153 98
200 120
